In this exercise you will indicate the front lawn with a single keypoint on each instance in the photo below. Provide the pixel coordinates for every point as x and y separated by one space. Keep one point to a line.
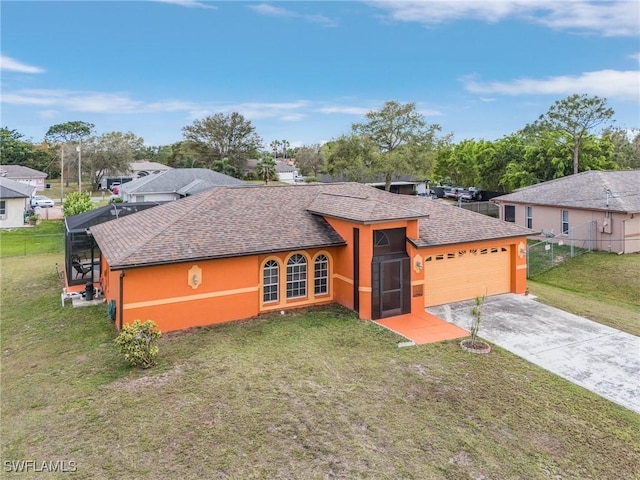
604 287
313 394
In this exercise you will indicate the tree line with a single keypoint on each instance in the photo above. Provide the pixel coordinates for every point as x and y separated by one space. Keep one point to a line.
575 134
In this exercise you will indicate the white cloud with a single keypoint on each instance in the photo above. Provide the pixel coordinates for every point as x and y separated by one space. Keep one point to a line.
48 114
273 11
362 111
9 64
606 83
612 18
188 3
289 111
428 112
121 103
92 102
636 56
345 110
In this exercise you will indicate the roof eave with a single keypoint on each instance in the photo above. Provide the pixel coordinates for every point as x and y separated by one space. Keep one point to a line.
218 257
367 222
533 232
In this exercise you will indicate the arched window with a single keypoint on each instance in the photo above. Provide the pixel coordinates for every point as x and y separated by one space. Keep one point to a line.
297 276
270 281
321 275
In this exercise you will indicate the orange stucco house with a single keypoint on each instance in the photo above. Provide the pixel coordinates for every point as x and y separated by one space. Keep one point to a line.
236 252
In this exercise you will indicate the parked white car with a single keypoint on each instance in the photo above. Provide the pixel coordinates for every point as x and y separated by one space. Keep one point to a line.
41 201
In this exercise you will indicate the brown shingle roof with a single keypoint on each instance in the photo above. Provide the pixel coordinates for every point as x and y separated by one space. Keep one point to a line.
236 221
360 209
586 190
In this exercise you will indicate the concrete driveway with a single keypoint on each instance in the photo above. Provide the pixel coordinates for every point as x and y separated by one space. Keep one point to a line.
594 356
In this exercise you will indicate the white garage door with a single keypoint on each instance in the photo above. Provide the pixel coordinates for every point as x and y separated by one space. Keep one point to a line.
466 273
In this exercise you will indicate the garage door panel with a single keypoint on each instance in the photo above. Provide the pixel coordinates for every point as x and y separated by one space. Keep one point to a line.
462 275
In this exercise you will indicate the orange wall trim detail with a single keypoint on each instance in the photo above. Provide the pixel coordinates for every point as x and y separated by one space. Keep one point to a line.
343 278
189 298
365 289
521 267
304 303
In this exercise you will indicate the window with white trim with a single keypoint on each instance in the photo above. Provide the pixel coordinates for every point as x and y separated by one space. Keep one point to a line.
270 281
565 222
321 275
529 217
3 207
297 276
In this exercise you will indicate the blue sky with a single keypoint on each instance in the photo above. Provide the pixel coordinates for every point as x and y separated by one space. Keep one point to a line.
305 71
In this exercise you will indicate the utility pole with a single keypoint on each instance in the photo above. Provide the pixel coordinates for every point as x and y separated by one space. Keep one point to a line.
80 165
62 173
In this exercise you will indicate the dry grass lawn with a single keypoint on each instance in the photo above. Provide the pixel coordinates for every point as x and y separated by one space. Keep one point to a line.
604 287
316 394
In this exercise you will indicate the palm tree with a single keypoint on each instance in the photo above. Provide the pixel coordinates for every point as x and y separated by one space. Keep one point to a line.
275 144
266 168
285 146
223 166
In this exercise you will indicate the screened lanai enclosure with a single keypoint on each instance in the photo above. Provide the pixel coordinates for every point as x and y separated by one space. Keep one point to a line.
82 256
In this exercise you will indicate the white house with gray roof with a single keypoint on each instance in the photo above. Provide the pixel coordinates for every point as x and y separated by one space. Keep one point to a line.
608 199
174 184
14 202
20 173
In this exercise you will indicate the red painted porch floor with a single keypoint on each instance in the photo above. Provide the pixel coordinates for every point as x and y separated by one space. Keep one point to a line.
422 327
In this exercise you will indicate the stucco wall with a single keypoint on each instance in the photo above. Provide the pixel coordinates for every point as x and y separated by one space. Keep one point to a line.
225 290
610 231
14 216
632 234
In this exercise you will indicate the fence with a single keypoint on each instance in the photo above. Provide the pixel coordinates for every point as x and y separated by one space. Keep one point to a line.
13 245
486 208
555 249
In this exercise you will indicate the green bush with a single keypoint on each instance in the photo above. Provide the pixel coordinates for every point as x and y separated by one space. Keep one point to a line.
115 200
138 343
76 202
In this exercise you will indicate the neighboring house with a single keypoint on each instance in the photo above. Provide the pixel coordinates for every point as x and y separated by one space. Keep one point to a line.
235 252
137 169
400 187
143 168
401 184
608 200
173 184
287 173
15 201
25 175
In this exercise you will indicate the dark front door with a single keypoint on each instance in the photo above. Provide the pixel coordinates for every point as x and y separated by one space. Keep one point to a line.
391 288
391 280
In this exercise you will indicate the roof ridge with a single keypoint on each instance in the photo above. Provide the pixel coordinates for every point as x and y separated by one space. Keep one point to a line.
170 224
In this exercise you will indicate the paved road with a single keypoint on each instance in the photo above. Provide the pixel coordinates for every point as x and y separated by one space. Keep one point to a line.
594 356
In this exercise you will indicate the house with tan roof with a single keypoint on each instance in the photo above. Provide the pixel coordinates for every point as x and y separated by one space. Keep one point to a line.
598 207
235 252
